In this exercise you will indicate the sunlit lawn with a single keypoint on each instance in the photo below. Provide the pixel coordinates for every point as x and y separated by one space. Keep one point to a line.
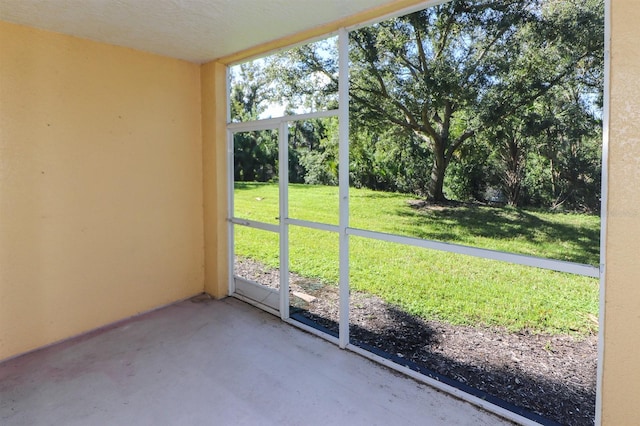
436 285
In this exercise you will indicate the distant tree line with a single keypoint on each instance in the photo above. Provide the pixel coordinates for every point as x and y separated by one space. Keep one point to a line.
468 100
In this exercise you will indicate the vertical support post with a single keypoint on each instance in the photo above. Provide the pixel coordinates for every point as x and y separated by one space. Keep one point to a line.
343 174
230 189
215 177
230 200
604 206
283 176
231 186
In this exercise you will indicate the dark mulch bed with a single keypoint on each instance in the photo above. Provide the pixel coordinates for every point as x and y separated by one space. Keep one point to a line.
550 375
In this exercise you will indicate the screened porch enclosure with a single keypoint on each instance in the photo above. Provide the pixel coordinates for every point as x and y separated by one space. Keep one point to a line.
362 191
497 302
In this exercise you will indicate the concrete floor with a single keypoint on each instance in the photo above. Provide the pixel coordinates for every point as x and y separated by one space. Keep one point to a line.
215 363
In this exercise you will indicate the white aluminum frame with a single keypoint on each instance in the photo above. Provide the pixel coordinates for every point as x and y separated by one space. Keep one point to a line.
520 259
249 296
604 191
283 159
344 230
343 178
279 124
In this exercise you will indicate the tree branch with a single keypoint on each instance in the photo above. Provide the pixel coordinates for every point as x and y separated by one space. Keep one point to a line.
458 142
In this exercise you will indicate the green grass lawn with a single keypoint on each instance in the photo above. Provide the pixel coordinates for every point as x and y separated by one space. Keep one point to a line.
436 285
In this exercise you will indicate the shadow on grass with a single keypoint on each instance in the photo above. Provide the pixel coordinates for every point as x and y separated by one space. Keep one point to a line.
408 341
461 223
577 243
379 195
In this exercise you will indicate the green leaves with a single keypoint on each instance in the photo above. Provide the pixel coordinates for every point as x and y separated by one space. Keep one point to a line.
457 99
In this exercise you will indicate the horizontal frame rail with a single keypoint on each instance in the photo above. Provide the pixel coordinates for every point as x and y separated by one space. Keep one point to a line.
520 259
255 224
313 225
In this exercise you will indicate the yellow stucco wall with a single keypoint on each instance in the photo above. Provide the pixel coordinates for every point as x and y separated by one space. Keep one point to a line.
100 185
621 372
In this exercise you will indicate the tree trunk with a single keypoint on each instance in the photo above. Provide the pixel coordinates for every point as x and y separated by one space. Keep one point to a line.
436 183
513 173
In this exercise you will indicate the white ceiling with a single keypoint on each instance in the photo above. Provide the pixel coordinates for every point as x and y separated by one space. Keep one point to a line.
194 30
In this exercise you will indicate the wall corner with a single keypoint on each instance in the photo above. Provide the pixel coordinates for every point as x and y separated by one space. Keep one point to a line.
214 164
